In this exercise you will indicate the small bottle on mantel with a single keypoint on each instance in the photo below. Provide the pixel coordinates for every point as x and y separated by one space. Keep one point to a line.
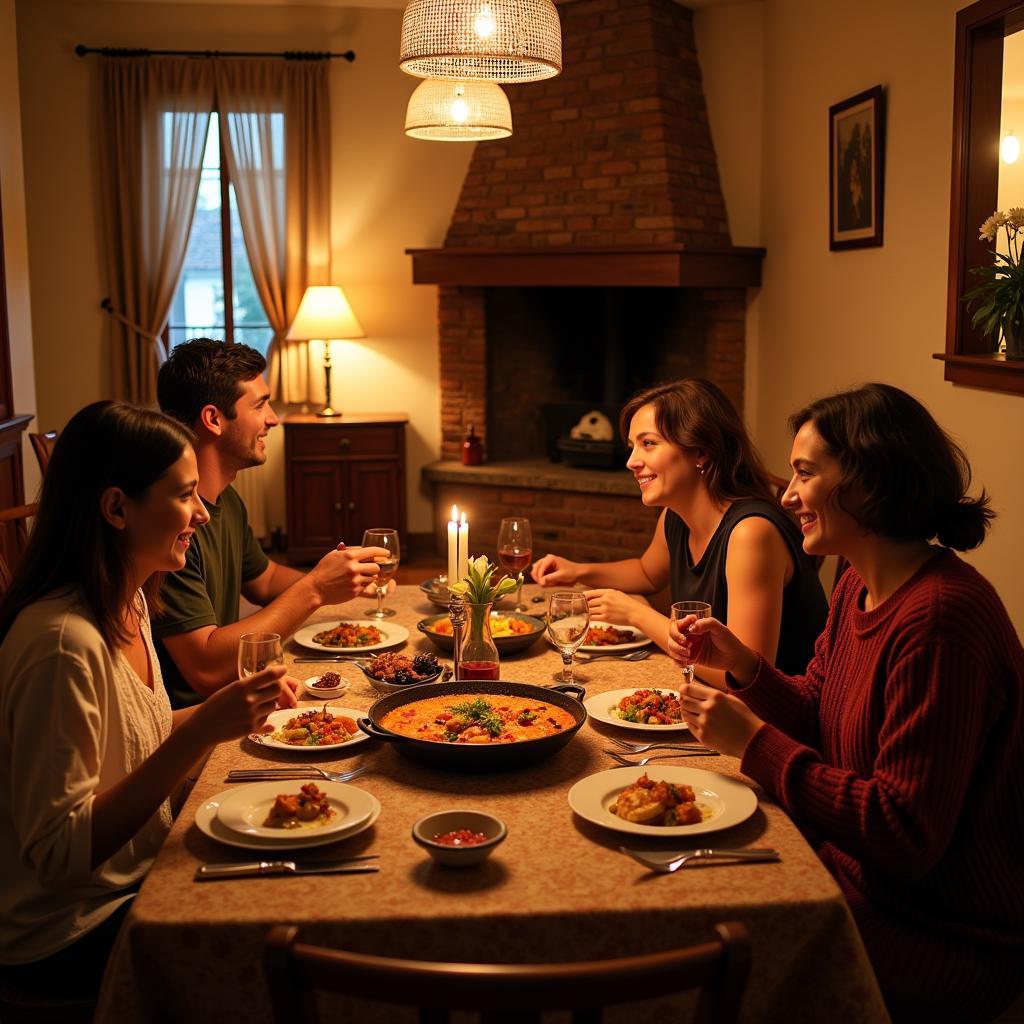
472 449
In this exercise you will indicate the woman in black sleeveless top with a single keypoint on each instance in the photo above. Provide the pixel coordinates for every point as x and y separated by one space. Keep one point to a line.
722 537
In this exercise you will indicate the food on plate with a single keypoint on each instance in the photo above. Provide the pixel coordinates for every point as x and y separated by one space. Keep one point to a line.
309 808
317 728
649 802
460 837
501 625
349 634
649 707
468 718
608 636
328 681
401 669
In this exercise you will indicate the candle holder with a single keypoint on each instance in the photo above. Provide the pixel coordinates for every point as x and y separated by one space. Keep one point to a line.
457 613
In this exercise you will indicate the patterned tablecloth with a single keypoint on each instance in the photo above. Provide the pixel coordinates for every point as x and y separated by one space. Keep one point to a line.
556 889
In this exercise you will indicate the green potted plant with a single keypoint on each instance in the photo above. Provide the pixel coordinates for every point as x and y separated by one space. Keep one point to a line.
999 300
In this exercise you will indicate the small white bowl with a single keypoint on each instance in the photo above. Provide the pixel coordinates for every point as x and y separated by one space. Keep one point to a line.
324 693
425 829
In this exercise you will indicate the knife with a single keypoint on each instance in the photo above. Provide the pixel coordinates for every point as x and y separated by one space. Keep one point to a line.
330 657
251 869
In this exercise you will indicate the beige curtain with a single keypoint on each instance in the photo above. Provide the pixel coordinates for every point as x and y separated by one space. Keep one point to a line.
155 114
275 136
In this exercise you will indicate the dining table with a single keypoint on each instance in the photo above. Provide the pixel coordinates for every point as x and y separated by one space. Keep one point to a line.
557 889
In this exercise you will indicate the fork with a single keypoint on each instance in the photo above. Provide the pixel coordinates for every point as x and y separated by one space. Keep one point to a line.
305 771
630 656
626 763
642 748
666 865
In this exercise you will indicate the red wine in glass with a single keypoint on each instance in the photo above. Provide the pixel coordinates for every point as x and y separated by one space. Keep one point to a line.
478 670
514 560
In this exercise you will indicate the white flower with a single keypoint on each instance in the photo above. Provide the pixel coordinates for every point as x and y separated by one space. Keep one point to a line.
987 232
1015 217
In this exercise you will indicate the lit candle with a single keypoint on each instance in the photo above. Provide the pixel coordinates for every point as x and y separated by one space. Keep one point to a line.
463 547
453 546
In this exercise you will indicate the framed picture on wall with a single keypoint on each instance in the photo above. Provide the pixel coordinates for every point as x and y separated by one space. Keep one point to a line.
856 161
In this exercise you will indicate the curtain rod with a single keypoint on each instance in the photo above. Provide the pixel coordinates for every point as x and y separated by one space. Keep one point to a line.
112 51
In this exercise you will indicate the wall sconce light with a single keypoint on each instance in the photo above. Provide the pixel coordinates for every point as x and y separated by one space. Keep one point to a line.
1009 148
324 313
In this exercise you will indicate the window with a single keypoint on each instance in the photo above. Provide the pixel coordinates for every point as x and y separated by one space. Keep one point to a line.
216 297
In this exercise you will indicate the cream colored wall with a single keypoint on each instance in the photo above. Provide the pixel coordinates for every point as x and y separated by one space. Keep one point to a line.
389 193
832 320
16 258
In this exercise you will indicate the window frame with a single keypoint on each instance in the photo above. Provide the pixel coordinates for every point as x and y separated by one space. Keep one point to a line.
977 106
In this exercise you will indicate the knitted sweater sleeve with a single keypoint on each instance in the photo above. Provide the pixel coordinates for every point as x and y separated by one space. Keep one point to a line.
899 815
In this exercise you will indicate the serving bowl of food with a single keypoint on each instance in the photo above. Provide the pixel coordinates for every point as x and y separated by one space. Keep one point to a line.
459 839
389 672
436 590
475 726
512 631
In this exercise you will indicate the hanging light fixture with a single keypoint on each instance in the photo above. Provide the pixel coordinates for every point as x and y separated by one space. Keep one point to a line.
447 110
498 40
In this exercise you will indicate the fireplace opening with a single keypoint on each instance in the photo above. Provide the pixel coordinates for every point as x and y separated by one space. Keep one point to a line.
554 354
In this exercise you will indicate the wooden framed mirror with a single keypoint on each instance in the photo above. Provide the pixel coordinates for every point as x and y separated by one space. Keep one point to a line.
981 33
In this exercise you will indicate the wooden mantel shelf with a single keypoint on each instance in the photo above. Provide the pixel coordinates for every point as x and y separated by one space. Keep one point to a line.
660 266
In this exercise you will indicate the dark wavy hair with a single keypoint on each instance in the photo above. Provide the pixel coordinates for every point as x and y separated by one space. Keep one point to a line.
205 372
106 444
903 476
694 413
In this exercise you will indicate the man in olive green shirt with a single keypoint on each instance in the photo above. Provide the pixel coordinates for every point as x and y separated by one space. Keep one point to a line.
217 389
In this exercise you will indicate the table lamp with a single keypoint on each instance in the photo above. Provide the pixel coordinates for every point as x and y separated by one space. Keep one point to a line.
325 315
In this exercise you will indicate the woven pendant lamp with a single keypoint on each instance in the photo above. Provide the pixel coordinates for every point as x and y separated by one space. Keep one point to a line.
499 40
446 110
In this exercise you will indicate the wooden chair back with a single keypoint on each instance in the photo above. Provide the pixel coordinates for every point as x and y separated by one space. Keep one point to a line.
13 538
42 445
508 993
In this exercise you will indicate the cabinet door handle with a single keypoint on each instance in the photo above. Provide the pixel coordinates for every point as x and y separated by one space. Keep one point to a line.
337 506
345 443
351 506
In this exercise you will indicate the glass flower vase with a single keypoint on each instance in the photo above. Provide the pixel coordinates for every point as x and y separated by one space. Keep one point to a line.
478 655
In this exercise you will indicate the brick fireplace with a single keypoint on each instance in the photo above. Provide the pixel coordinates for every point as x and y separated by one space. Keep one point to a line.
596 234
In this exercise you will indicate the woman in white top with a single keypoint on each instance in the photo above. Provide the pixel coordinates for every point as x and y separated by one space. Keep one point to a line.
89 747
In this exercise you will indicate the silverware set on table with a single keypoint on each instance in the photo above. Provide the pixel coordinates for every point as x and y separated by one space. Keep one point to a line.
666 863
299 771
674 750
640 655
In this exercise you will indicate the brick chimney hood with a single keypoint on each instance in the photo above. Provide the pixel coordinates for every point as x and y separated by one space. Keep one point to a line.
610 178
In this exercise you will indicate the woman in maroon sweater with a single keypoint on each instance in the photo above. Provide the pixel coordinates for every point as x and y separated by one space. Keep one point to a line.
901 751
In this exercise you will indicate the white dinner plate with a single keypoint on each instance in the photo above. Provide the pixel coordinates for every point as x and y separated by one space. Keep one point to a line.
602 707
243 809
640 639
391 633
209 824
279 719
729 801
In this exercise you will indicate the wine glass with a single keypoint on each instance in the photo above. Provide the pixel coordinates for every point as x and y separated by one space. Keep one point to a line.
703 611
257 651
386 566
568 621
515 549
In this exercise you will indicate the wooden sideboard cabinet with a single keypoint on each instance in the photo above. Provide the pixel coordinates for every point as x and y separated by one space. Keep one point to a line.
345 474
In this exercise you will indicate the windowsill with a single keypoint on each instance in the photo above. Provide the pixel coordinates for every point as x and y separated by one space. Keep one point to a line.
992 372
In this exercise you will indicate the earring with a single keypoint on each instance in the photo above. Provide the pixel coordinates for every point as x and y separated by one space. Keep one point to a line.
700 468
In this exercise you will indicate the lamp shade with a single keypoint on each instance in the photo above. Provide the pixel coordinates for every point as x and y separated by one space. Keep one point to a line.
499 40
324 313
445 110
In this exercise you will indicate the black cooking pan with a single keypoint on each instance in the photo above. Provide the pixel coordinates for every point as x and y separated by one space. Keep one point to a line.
478 757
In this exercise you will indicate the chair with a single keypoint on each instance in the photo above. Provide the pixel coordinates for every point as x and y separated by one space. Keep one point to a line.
13 537
42 445
508 992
